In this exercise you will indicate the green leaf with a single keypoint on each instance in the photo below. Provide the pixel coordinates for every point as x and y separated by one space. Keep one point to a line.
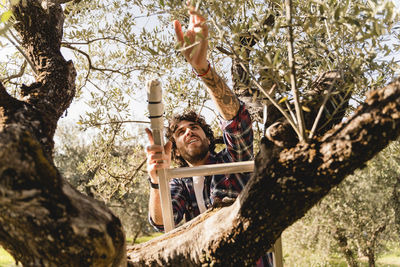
321 9
199 36
6 16
152 51
276 59
337 14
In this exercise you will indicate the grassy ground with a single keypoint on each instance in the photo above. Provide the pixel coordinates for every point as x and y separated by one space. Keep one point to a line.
381 262
302 258
390 259
143 239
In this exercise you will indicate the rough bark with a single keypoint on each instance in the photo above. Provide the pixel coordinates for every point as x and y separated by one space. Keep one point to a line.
45 222
40 26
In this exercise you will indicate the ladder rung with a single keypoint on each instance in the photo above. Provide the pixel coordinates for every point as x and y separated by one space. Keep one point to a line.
220 168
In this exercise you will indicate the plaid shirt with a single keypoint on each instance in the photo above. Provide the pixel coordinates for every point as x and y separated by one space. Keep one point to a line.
238 138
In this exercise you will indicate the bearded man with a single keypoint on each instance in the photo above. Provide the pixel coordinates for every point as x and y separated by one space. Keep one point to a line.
191 142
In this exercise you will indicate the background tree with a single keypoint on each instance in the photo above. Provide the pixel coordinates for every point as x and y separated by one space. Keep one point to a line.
118 178
396 198
286 183
356 218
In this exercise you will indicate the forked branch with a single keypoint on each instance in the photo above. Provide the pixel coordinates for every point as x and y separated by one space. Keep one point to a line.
299 111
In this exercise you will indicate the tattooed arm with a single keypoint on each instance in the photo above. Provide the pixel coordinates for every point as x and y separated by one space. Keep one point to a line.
226 101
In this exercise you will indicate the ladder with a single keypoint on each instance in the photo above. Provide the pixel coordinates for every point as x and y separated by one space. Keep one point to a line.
156 111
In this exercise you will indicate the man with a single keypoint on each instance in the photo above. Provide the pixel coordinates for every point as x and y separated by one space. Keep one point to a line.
192 142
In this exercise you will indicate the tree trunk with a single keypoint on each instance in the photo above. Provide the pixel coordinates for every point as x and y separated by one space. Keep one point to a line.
371 258
45 222
396 201
341 238
370 250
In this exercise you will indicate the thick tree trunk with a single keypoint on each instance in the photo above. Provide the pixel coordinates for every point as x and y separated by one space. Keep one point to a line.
45 222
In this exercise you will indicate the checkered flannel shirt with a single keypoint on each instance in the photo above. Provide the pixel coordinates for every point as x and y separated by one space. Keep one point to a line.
238 138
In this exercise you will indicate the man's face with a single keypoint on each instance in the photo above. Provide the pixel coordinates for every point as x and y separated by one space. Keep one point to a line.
191 142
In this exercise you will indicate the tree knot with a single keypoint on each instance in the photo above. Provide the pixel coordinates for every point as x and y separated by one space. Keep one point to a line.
31 89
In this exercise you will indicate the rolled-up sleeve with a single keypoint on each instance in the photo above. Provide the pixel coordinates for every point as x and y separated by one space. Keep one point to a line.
238 136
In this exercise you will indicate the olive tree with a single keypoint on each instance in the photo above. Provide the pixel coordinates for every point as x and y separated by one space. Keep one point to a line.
45 221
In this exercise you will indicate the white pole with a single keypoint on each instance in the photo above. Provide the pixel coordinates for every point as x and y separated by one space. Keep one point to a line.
156 110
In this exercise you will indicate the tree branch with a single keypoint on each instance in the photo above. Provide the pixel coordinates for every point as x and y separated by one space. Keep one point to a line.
91 66
8 106
322 107
2 89
40 26
114 122
258 85
16 75
21 51
66 44
299 111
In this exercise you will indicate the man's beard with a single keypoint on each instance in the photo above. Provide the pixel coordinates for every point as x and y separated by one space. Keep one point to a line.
195 156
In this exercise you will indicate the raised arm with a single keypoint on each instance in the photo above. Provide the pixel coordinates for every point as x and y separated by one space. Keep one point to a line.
196 54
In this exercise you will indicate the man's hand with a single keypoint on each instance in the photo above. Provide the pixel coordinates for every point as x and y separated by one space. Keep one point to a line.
156 159
194 42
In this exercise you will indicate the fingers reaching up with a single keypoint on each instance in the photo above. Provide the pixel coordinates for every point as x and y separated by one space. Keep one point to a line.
194 42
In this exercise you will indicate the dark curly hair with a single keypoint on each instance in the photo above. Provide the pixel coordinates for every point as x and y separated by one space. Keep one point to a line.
192 116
